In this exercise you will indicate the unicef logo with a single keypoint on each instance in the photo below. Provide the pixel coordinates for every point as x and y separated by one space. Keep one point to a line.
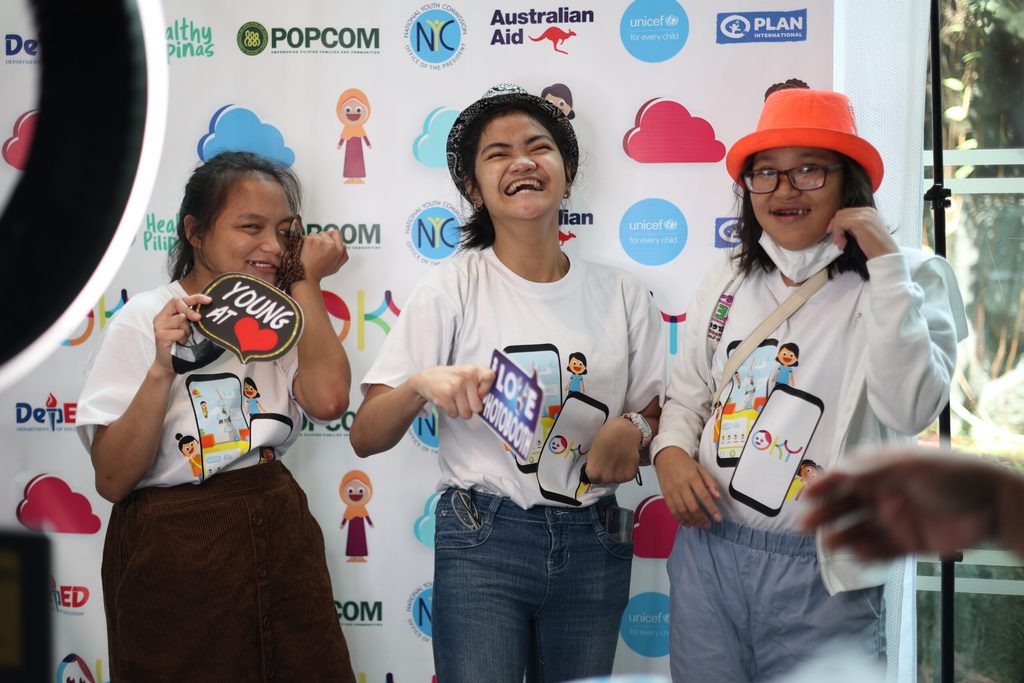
654 30
734 26
252 38
653 232
434 36
645 623
434 232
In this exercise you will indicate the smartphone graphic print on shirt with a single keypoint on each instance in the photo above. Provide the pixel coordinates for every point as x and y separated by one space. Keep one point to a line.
778 442
563 456
542 359
742 404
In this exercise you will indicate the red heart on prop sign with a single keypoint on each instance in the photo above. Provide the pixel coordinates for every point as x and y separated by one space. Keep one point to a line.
253 338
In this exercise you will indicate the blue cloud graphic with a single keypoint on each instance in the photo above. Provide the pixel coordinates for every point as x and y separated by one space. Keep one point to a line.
423 529
429 148
240 130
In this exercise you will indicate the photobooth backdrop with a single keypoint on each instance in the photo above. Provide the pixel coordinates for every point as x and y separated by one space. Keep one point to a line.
658 91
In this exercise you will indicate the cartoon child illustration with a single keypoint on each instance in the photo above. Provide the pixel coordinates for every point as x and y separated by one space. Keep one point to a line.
787 358
805 474
577 367
251 395
559 95
267 454
205 408
355 491
189 448
224 424
353 110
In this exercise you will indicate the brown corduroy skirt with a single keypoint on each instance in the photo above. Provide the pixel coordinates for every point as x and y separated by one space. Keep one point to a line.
224 581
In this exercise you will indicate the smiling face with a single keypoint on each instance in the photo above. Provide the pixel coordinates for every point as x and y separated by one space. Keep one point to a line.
355 492
519 172
576 366
559 102
786 357
797 219
248 234
352 112
189 449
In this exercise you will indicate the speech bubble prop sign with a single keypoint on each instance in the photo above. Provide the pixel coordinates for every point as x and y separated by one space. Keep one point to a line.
511 407
253 320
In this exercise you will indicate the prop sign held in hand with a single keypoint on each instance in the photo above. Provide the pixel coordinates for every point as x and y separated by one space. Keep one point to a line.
512 406
254 320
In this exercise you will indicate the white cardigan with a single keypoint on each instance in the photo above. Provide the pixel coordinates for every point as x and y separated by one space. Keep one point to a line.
903 353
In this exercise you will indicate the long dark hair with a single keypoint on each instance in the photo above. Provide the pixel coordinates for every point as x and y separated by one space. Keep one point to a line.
478 232
855 191
207 191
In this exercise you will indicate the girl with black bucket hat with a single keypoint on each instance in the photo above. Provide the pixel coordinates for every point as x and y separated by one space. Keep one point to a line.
532 556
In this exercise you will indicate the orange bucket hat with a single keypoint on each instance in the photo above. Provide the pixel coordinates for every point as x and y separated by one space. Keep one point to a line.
798 117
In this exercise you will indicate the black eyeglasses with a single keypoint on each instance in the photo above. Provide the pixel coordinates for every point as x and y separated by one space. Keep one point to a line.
803 178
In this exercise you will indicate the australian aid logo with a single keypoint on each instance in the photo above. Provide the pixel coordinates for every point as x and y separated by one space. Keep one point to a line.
68 599
551 28
52 416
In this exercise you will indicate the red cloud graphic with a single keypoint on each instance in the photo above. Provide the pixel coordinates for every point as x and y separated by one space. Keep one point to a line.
50 505
17 147
654 530
666 133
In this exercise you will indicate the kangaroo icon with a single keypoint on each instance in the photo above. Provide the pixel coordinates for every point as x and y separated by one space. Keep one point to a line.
556 36
564 237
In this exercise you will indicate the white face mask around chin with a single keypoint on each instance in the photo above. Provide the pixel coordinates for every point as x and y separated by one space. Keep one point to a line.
800 265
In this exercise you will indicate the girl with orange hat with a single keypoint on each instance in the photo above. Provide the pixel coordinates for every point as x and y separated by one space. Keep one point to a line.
877 328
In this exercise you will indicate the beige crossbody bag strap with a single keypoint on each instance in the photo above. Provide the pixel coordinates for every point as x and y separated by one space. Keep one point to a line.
758 335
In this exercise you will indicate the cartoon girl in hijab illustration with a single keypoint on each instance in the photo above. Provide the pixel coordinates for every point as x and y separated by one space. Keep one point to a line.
353 111
356 491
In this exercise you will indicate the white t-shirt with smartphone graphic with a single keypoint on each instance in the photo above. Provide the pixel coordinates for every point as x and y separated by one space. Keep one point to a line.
225 415
776 424
594 338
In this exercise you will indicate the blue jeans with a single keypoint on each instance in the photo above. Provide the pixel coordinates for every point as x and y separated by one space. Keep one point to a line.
749 605
539 591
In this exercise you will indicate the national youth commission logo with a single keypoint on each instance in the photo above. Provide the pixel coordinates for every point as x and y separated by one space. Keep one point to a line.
654 30
653 231
433 231
252 38
420 607
761 27
645 623
435 36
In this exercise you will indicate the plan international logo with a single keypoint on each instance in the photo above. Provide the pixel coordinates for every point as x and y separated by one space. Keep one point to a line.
762 27
544 26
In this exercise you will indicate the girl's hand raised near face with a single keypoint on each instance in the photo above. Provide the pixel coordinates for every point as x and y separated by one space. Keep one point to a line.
866 226
171 326
323 254
458 390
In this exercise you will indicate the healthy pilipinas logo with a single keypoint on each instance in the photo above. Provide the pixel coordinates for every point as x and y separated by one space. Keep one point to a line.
761 27
433 231
654 30
510 26
420 607
186 39
253 38
653 232
20 50
644 626
53 416
435 36
727 232
159 234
